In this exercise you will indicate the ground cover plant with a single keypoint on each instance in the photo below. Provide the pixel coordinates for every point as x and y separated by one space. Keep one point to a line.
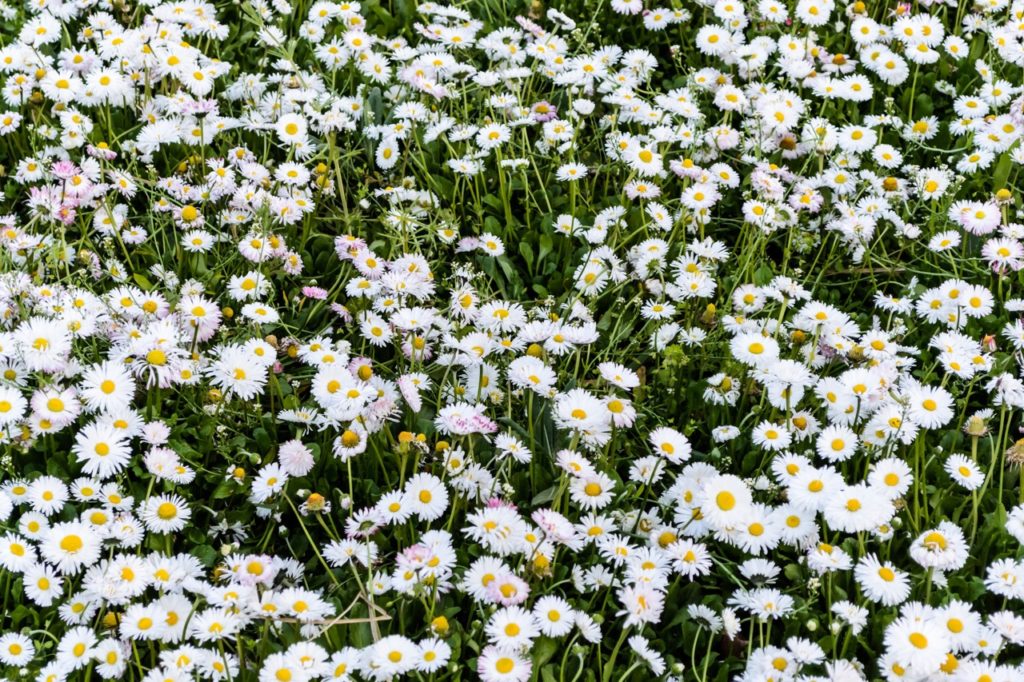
576 342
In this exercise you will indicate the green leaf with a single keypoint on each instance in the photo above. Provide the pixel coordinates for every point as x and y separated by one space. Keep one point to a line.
763 275
262 438
206 554
223 490
543 650
527 253
1001 172
544 496
547 245
141 280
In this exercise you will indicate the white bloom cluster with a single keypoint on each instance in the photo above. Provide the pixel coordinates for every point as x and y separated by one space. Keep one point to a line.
348 343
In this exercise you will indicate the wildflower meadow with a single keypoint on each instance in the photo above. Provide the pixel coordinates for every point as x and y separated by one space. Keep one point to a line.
512 340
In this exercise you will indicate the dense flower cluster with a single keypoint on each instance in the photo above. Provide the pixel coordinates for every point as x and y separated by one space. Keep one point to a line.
350 342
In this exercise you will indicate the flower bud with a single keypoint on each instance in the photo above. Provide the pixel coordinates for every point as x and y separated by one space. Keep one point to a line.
315 502
440 626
